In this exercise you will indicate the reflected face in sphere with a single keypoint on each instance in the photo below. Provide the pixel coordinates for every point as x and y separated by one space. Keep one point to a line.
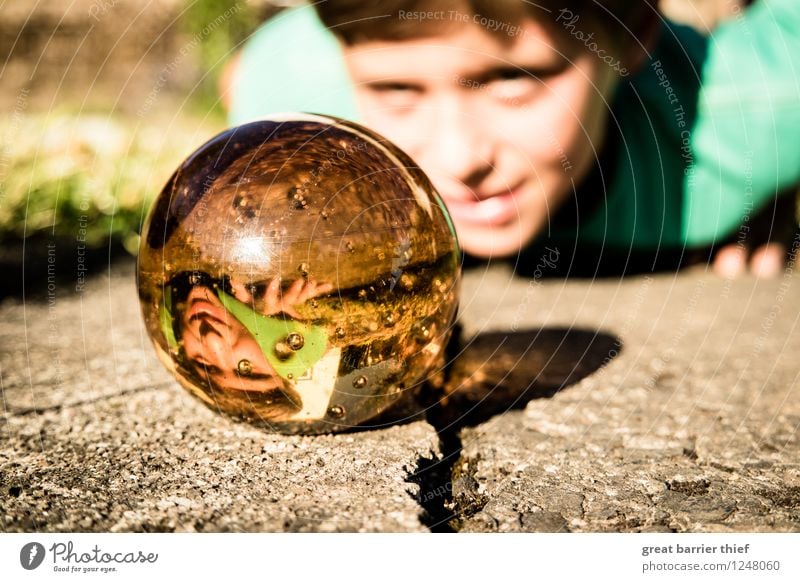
299 273
216 344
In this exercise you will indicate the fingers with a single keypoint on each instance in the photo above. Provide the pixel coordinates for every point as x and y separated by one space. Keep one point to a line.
241 292
324 288
295 293
731 261
289 310
767 260
313 289
299 292
272 297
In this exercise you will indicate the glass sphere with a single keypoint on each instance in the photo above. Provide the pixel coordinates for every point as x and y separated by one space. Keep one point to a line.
300 273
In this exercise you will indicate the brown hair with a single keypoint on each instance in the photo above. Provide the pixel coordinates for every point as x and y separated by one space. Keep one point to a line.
355 21
278 404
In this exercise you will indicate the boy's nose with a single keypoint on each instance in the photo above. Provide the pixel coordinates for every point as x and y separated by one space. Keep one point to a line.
219 349
459 148
216 337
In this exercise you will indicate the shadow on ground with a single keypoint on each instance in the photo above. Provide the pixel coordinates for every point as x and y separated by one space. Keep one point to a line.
494 373
39 265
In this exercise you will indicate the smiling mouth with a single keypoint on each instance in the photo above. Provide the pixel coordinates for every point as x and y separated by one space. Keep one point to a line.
498 210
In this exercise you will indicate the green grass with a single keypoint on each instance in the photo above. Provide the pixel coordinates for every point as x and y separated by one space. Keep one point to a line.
68 175
90 178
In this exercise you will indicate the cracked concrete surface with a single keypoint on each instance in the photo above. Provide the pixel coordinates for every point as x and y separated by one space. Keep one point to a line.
96 436
693 427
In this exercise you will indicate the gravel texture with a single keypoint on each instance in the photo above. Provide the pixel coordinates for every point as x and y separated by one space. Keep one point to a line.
98 437
692 424
694 427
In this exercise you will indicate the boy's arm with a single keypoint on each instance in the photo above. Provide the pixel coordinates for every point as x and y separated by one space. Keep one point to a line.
746 140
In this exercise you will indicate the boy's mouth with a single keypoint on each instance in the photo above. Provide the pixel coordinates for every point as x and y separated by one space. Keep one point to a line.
496 209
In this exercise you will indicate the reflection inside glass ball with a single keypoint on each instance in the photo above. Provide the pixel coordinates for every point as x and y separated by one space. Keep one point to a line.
299 273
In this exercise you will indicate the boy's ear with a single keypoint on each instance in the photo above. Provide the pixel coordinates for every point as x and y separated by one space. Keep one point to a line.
646 26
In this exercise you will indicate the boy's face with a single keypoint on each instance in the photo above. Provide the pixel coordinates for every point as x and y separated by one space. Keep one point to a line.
215 342
503 130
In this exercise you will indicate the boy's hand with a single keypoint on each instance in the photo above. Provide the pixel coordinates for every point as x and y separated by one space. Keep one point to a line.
767 236
765 261
298 293
273 300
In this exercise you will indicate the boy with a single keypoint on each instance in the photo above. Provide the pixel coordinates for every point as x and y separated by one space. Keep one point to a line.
594 128
222 338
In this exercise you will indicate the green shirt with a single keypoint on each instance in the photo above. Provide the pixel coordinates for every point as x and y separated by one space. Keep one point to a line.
702 137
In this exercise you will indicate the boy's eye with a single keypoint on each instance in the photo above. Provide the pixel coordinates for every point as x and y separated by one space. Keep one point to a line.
206 369
396 95
213 370
513 85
